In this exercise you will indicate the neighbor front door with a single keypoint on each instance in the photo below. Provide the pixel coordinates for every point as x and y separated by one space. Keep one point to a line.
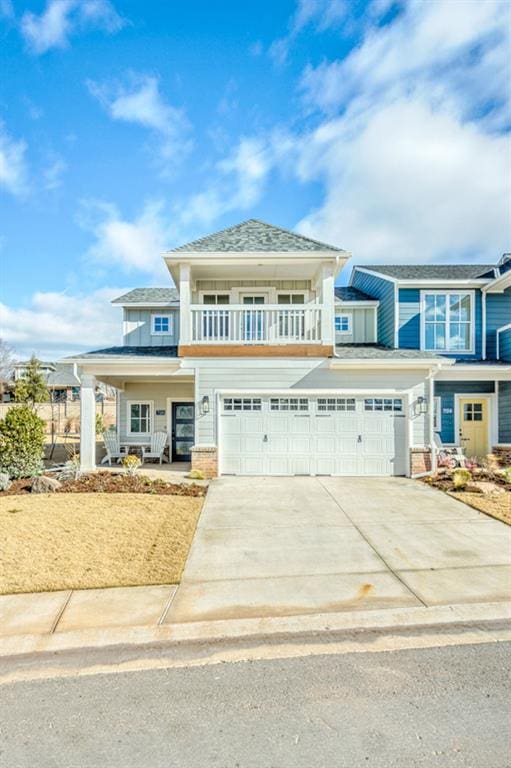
183 431
473 419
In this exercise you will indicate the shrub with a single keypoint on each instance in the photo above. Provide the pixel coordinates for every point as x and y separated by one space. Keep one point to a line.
196 474
491 464
21 442
507 475
131 463
71 469
5 483
460 478
100 424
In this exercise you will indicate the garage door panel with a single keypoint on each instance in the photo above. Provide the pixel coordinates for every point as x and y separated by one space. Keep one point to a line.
347 436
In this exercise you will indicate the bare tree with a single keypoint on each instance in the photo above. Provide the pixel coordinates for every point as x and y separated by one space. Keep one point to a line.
7 360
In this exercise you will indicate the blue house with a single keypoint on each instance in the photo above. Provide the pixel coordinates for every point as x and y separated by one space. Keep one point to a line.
461 313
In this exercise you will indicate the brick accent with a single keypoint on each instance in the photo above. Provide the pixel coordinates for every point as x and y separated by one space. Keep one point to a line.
420 460
204 458
503 454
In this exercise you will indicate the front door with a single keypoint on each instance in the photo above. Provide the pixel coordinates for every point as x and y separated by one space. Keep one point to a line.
183 431
474 426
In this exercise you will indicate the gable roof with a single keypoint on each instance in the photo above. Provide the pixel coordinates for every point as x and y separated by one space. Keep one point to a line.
127 352
432 271
148 296
255 235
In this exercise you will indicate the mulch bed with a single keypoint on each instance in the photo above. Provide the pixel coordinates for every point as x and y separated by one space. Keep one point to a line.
445 483
112 482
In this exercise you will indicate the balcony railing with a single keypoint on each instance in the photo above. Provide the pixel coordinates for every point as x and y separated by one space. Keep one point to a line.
268 324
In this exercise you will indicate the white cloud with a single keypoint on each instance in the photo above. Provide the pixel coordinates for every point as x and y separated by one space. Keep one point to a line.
143 104
133 245
13 164
55 324
321 13
63 18
6 10
54 171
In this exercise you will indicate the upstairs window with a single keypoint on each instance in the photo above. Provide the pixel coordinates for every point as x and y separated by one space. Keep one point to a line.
161 324
215 298
291 298
447 321
343 323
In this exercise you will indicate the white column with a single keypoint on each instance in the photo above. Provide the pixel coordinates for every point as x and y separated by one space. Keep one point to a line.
327 300
185 335
87 422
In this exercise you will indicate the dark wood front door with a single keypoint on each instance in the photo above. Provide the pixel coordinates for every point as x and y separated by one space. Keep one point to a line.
183 430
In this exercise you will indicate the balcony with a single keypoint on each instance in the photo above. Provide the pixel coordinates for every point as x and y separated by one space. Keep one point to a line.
239 324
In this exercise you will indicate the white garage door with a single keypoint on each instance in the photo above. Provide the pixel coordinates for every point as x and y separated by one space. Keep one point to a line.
312 435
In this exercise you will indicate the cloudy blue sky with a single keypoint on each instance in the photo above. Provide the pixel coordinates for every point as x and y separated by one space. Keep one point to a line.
130 127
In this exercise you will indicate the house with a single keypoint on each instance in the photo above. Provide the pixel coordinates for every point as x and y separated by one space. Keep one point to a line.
255 363
61 379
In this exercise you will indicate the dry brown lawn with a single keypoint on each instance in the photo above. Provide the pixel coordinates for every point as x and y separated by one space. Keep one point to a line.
82 541
496 505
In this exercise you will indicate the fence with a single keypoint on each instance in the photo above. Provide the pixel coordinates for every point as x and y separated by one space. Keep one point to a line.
65 417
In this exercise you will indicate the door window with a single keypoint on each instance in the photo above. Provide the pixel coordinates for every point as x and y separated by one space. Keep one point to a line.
473 412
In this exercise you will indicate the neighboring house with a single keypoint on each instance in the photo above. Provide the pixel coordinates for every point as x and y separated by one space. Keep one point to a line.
61 378
257 364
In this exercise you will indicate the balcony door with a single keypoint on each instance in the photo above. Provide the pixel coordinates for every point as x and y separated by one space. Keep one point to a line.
253 320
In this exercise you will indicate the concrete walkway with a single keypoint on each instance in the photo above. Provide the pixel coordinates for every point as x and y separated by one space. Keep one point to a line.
284 546
330 552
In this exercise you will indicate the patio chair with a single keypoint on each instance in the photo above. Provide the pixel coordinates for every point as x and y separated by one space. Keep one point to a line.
113 448
158 442
454 453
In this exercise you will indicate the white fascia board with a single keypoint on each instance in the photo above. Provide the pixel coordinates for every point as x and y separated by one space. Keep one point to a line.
448 284
390 363
209 257
476 373
500 284
147 304
363 304
374 274
126 367
296 392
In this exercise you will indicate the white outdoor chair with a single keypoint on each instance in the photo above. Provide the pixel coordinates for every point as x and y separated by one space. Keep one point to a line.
113 448
158 442
453 452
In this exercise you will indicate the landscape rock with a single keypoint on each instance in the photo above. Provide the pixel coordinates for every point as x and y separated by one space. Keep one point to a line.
45 484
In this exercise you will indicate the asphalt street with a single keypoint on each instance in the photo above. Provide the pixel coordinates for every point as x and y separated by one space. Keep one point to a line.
445 707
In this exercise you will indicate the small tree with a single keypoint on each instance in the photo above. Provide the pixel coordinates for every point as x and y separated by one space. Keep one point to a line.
31 388
6 365
21 442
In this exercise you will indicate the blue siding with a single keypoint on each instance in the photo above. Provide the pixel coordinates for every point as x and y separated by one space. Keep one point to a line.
505 412
409 318
505 345
446 391
498 313
383 290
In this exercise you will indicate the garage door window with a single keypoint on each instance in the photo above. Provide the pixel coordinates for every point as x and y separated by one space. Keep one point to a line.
383 404
242 404
336 404
289 404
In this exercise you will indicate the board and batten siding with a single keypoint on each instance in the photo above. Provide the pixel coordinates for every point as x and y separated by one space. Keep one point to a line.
137 328
381 289
410 322
158 393
362 325
215 375
498 313
505 412
446 390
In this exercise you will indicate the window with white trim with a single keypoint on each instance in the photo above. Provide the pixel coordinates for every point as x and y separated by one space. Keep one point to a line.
447 321
343 323
289 404
336 404
291 298
242 404
215 298
161 324
139 418
383 404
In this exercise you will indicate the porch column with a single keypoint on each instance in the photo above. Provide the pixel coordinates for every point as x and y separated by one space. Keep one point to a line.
185 335
87 422
327 300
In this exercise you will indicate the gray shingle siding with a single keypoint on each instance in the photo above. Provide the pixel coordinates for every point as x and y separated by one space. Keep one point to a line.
137 328
433 271
381 289
505 412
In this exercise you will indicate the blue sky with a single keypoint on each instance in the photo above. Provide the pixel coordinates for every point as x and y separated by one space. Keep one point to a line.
129 127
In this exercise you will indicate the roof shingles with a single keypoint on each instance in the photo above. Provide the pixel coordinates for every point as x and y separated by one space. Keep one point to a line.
432 271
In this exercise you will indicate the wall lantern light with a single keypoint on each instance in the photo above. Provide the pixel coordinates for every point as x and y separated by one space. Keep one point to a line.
422 404
205 404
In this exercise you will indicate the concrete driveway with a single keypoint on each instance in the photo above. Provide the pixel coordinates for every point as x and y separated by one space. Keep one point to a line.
271 546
